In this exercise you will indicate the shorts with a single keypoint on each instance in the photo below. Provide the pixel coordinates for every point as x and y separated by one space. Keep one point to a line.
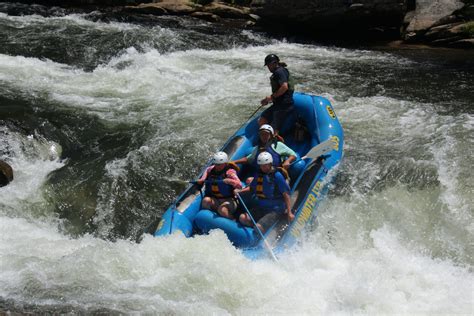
276 115
267 217
229 202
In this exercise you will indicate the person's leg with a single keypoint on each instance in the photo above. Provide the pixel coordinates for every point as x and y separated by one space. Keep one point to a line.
266 116
278 119
267 221
257 214
209 203
262 120
245 220
227 208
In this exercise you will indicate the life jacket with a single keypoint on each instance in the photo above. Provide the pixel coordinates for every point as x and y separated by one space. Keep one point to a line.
268 148
266 186
215 187
276 85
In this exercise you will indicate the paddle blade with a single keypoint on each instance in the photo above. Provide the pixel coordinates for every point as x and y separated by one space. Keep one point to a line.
321 149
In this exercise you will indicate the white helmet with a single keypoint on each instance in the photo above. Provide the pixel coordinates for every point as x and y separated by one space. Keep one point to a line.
266 127
220 157
264 158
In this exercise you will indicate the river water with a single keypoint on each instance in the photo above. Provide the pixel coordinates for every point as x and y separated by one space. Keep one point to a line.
104 119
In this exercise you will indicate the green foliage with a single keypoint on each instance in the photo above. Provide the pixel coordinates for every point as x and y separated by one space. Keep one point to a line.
469 29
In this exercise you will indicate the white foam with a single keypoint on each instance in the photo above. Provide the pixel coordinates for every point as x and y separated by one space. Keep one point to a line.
32 158
378 257
208 275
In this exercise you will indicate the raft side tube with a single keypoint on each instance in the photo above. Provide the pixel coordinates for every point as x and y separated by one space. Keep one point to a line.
238 234
174 221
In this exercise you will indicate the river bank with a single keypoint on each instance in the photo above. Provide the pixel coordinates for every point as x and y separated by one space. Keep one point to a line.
435 23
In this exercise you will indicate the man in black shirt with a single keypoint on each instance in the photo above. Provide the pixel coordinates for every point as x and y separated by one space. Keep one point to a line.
282 94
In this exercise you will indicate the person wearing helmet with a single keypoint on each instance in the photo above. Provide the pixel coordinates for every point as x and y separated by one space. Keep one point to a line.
282 154
272 192
282 94
221 179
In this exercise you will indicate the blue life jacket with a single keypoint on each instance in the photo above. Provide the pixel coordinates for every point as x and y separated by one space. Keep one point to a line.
268 148
267 187
215 187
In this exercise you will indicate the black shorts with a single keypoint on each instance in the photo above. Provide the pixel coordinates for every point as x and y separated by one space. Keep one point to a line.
276 115
265 218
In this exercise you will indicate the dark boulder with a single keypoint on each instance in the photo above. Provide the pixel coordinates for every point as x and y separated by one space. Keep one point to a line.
440 23
328 18
6 173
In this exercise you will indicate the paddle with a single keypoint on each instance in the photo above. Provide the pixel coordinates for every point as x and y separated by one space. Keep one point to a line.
318 150
267 245
321 149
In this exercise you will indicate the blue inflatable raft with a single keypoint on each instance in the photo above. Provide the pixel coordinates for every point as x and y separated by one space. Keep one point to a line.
314 123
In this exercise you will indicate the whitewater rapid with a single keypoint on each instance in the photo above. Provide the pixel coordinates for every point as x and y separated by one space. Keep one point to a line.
105 148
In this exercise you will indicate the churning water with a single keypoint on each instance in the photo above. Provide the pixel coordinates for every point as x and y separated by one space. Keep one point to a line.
105 121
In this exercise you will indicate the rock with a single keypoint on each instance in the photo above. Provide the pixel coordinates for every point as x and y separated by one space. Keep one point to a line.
174 7
451 35
439 23
226 11
250 23
463 43
356 6
254 17
207 16
429 12
6 173
447 20
408 17
212 12
146 9
444 31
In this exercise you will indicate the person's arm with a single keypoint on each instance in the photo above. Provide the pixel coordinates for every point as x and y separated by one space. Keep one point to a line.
287 163
248 188
240 191
289 214
283 88
204 176
232 179
285 151
242 160
284 188
282 77
281 91
247 159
